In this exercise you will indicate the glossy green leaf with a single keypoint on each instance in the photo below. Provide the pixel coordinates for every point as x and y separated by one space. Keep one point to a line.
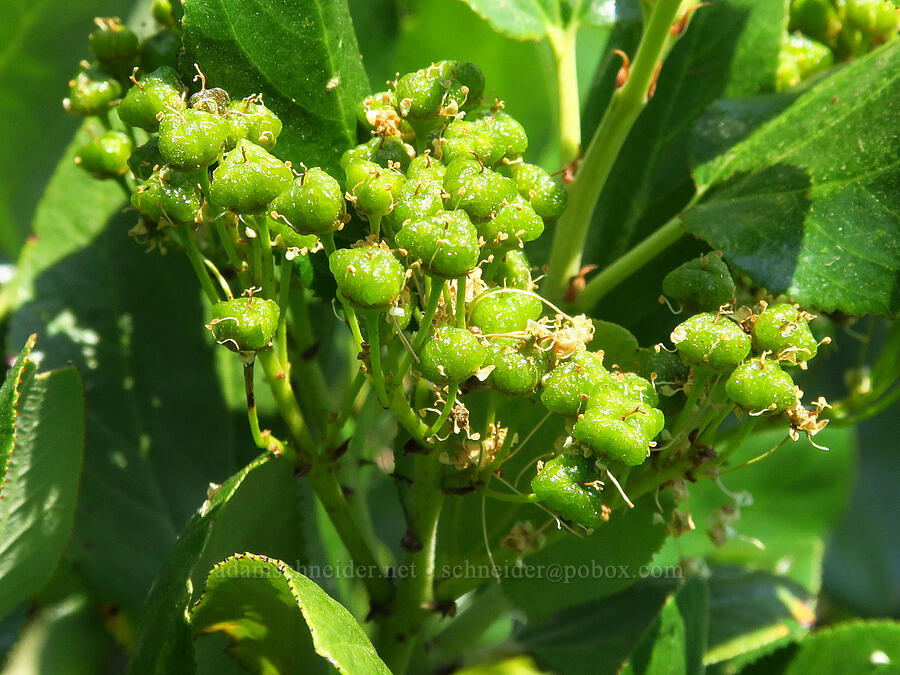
676 641
10 393
258 508
857 647
753 613
301 54
595 638
45 424
157 429
578 570
270 611
807 204
533 19
42 44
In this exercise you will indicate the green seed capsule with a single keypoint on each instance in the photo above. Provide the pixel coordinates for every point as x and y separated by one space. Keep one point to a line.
426 168
620 429
114 45
816 18
105 156
567 388
168 195
388 152
370 277
510 132
875 18
513 225
501 312
442 89
374 188
446 243
783 330
700 285
251 119
191 139
711 341
419 199
284 237
314 204
244 324
547 196
509 268
633 387
145 159
517 369
568 485
159 92
801 57
451 355
471 140
91 93
162 12
761 384
247 179
476 189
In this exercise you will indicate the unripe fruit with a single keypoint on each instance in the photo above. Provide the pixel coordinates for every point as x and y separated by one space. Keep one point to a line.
547 196
620 429
507 128
161 50
476 189
567 388
514 224
251 119
191 139
446 243
499 312
247 179
369 276
761 384
783 329
711 341
450 355
160 91
215 101
517 369
91 93
244 324
113 44
509 268
145 159
105 156
314 204
168 195
471 140
374 188
569 485
700 285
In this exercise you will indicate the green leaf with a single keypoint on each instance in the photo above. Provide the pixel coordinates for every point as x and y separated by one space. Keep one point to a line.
753 613
157 429
258 508
519 19
582 569
597 637
42 44
269 611
37 497
729 49
301 54
74 208
676 642
10 393
810 484
618 344
858 647
807 205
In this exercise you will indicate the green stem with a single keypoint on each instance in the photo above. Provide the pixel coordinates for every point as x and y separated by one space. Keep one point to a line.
228 244
452 391
334 428
284 303
415 596
434 298
256 266
273 444
375 224
202 177
511 497
701 377
626 265
623 110
375 357
461 302
287 404
408 418
562 43
186 239
330 493
268 259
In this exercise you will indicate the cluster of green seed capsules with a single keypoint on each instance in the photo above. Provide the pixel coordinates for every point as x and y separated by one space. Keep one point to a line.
822 32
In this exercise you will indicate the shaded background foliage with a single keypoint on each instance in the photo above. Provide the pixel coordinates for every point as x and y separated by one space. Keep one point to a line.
164 418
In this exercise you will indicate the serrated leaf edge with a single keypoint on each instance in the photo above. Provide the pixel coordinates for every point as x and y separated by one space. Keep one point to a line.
23 360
